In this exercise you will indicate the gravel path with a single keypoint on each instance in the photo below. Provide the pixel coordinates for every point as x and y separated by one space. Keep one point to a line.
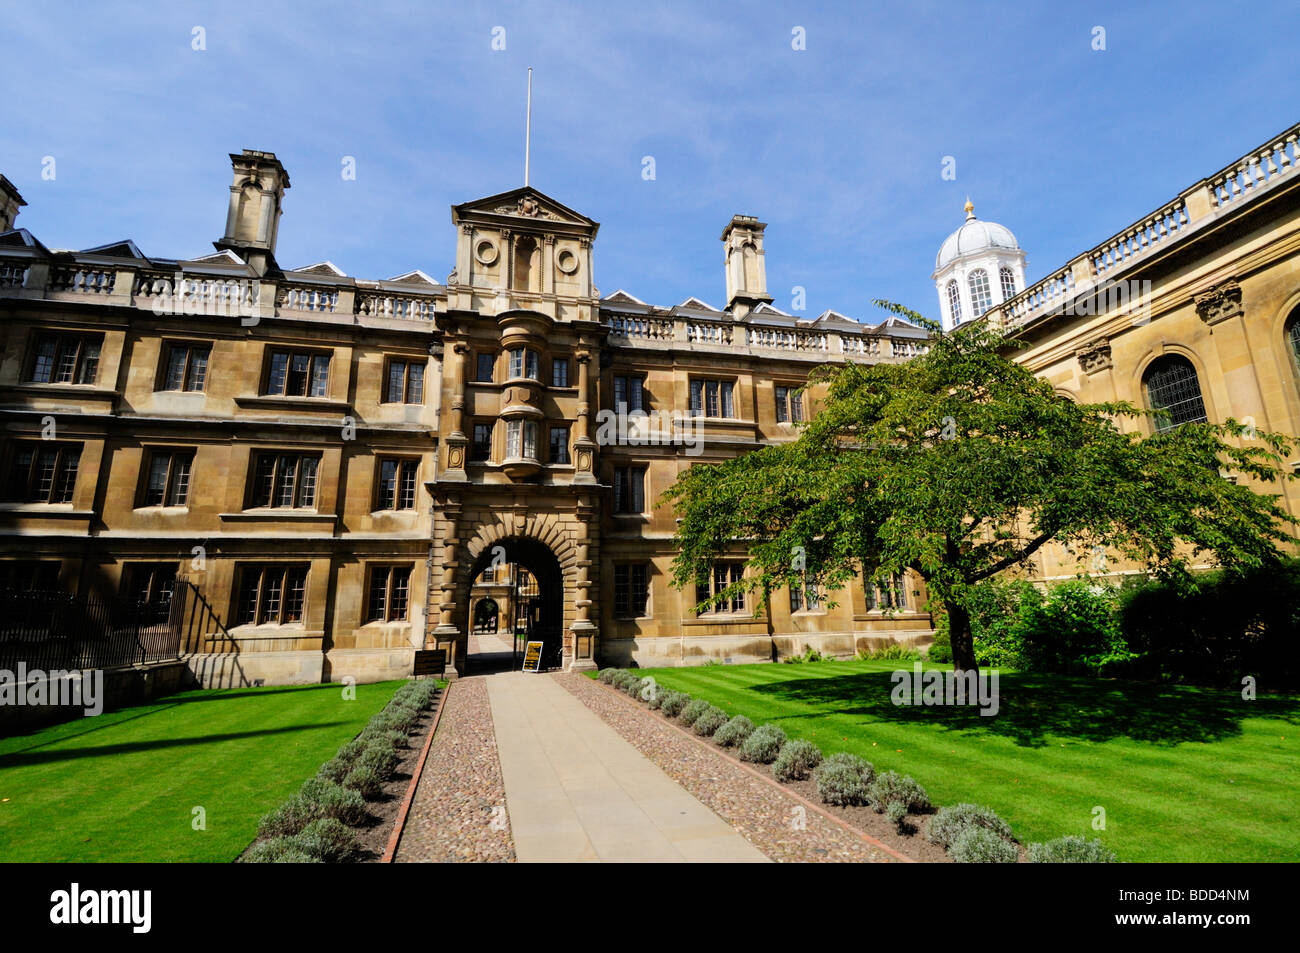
771 820
459 811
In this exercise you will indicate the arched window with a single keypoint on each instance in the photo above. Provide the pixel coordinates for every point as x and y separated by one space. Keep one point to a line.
1293 336
981 299
954 302
1008 279
1174 390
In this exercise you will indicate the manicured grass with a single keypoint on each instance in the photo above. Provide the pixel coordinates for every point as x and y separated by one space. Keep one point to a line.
122 786
1184 774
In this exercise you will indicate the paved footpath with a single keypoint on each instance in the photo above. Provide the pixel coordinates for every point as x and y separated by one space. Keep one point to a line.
576 791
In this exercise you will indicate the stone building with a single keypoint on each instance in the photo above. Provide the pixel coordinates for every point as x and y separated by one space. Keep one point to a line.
1193 310
322 467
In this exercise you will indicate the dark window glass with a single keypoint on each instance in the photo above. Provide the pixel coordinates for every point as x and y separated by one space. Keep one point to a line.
631 592
44 473
405 383
298 374
271 595
711 398
560 372
486 363
629 394
629 490
285 480
389 594
396 484
187 367
168 481
65 359
481 449
1174 390
559 444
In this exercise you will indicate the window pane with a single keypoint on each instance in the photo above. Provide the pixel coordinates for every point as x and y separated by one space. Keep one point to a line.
415 383
725 388
697 402
559 444
981 298
246 612
782 405
635 394
307 482
198 368
320 375
378 603
180 488
532 365
396 382
89 363
516 363
272 596
513 438
560 372
398 593
1174 389
67 481
295 594
485 362
387 483
286 469
65 367
279 372
156 490
176 361
264 480
406 490
530 440
43 368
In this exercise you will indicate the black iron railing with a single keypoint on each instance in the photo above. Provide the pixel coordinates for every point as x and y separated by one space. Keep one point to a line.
55 630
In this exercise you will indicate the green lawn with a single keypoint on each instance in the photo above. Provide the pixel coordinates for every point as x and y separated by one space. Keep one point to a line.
1184 774
122 786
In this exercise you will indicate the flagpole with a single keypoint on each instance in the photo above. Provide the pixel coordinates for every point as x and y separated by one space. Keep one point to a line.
528 125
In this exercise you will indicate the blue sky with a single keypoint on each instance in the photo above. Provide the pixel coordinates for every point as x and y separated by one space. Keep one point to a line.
838 147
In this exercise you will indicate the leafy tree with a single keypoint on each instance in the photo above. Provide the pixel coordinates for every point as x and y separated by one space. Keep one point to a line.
960 465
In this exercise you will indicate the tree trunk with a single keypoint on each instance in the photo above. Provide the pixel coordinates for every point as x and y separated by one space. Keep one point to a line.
963 643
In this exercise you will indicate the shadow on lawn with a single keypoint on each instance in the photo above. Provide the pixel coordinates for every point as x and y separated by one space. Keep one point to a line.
1034 707
34 756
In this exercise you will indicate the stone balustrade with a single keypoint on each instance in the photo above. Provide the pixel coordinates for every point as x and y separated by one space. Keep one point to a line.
396 306
82 279
1224 191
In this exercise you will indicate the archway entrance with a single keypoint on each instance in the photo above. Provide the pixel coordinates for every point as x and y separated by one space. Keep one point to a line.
521 580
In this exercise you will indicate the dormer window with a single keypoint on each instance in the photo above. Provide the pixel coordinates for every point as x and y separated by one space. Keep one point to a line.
523 363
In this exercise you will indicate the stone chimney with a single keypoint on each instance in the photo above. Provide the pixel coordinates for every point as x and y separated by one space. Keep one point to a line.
253 220
10 203
746 273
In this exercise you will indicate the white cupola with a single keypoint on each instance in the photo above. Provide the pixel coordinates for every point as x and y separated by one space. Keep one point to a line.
979 266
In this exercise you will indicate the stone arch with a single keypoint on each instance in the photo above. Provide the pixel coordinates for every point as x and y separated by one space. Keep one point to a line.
525 537
1138 381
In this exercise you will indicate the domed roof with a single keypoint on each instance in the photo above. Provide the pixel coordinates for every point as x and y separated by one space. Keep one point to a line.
974 236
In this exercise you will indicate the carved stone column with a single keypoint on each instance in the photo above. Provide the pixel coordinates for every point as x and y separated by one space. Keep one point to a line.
584 448
581 654
457 442
447 634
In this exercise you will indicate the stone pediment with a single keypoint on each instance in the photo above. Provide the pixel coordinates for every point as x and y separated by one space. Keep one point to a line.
527 205
416 277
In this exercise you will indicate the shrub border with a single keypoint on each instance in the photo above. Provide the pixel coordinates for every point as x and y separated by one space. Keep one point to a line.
784 789
399 823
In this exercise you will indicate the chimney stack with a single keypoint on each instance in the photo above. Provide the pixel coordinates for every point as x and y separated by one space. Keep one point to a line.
746 272
253 219
10 203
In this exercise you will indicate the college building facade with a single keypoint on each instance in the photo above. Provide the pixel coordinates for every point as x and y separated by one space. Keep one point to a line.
320 474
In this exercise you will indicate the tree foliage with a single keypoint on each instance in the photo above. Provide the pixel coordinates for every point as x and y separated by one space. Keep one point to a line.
960 464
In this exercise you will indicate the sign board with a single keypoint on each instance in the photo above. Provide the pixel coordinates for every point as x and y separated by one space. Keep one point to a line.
430 661
533 657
